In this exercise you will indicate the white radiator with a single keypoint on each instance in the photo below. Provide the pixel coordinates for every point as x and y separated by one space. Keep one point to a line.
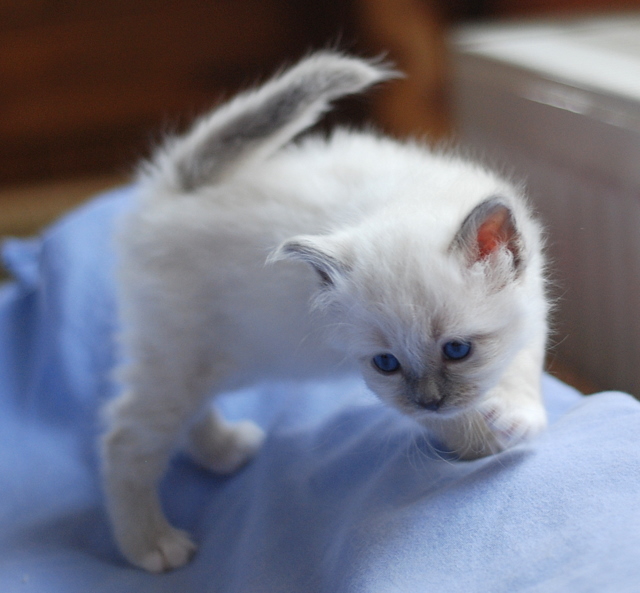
558 105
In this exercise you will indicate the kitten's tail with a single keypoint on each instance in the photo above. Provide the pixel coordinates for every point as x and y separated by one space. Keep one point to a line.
256 123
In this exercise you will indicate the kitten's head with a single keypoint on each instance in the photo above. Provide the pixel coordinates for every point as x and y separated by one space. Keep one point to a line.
433 328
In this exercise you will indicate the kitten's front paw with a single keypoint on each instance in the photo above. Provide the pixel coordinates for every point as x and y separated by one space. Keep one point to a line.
511 425
167 550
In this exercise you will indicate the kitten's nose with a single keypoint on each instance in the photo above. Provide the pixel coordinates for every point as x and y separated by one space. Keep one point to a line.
432 405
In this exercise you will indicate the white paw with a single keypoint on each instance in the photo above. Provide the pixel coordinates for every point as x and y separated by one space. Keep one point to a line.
244 441
168 550
230 449
511 424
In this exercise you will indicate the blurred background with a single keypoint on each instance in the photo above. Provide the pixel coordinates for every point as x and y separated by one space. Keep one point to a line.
87 87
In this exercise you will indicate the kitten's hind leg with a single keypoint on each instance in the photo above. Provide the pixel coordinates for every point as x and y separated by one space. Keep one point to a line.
223 447
145 424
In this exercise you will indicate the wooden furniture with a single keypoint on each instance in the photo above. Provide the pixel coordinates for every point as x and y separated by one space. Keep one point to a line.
87 86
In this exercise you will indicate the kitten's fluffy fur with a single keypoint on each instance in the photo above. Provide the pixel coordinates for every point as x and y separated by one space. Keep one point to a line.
249 256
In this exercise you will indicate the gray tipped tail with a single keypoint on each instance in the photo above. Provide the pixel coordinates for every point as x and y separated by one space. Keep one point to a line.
257 123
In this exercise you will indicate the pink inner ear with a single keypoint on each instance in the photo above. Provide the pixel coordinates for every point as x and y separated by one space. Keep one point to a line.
496 230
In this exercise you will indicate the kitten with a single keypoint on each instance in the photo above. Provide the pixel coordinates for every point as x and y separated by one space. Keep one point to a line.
249 256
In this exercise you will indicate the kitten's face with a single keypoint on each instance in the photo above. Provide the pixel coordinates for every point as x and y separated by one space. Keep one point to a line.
432 327
433 348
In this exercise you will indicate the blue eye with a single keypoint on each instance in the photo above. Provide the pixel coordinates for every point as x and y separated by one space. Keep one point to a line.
386 363
456 349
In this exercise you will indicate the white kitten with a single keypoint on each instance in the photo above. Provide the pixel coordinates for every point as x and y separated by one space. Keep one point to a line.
250 257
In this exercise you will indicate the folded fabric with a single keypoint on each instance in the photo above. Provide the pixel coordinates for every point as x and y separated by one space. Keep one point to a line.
346 495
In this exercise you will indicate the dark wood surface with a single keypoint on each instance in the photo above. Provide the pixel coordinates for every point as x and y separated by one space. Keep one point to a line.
86 86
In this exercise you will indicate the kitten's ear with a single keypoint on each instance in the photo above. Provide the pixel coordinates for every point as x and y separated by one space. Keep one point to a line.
489 228
319 252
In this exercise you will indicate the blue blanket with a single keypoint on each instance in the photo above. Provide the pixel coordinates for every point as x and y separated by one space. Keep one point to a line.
346 496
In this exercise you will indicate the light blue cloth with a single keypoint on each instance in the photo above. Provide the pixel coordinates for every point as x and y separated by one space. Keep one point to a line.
346 496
